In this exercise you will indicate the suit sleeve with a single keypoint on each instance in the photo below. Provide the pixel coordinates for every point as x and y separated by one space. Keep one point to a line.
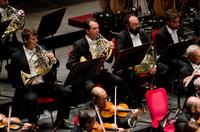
15 73
74 56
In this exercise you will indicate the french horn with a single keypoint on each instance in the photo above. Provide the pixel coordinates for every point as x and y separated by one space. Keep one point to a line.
17 18
148 62
102 48
41 64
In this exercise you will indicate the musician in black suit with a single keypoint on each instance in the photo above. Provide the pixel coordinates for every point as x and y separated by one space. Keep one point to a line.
190 113
192 69
9 42
131 36
82 49
99 101
27 60
168 34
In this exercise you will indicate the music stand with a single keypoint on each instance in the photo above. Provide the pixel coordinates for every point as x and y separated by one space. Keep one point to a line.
130 57
50 23
83 71
176 51
3 27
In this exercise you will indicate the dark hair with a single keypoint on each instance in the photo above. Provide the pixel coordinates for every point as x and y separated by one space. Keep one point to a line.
86 115
26 33
172 14
86 24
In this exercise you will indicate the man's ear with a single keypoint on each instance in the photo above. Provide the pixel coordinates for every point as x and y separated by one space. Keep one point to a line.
193 110
87 31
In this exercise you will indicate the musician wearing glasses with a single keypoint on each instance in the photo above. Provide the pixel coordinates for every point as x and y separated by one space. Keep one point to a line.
131 36
31 80
105 110
88 49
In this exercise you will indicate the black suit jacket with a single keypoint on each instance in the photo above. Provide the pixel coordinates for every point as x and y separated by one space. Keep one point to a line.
80 48
124 40
181 121
19 63
187 70
163 39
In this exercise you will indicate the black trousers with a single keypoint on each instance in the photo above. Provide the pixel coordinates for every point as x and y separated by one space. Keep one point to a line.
25 100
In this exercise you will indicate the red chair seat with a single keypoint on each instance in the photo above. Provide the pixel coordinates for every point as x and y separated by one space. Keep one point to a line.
79 20
45 100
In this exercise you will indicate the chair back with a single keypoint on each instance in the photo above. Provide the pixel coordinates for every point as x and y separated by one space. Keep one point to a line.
157 102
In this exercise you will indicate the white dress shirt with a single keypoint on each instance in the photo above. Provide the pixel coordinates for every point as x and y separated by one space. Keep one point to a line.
173 33
135 40
31 57
92 46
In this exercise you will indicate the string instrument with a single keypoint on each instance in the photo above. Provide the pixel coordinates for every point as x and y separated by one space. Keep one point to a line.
122 110
108 127
15 123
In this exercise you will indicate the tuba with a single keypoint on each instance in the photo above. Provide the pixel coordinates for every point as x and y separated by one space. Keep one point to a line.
41 65
17 18
101 48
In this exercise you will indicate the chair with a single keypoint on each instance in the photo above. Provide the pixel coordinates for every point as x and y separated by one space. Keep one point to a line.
157 102
47 103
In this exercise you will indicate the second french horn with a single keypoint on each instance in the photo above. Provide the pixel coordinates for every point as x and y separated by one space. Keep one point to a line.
102 48
41 66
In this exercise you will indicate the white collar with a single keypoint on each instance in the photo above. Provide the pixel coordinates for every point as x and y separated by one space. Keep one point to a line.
28 50
170 30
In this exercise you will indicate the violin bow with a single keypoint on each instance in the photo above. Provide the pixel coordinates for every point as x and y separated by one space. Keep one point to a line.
115 112
100 119
9 117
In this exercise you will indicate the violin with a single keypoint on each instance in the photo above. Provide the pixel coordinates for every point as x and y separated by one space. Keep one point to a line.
122 110
15 123
108 127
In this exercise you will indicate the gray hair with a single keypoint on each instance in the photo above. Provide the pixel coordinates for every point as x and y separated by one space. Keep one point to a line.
190 51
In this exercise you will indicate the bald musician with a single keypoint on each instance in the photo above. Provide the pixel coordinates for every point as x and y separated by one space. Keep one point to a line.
99 100
190 113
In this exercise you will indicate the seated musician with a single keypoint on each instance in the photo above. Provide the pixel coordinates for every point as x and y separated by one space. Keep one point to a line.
168 34
86 119
99 103
87 48
132 36
9 42
191 71
30 59
190 113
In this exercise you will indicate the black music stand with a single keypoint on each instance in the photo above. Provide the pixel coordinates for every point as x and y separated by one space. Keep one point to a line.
176 51
50 23
130 57
83 71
